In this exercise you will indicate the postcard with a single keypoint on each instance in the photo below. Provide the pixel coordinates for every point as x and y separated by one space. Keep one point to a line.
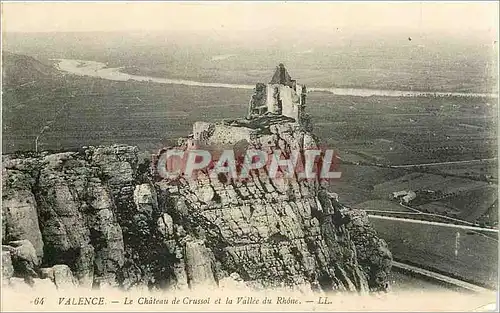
249 156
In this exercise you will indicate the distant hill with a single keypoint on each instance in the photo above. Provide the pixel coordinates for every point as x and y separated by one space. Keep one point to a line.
21 69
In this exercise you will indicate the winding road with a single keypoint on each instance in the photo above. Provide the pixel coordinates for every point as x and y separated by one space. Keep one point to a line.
439 277
407 220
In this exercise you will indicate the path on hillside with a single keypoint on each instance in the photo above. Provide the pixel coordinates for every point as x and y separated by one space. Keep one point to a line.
442 163
465 227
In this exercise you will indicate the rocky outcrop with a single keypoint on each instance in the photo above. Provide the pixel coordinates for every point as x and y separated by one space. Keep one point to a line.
276 231
102 216
19 214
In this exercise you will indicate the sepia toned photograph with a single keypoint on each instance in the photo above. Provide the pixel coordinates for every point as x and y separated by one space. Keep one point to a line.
249 156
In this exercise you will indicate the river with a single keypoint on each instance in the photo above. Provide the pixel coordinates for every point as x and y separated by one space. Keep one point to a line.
99 69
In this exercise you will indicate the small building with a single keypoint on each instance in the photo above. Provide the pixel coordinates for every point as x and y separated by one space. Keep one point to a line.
399 194
404 196
410 196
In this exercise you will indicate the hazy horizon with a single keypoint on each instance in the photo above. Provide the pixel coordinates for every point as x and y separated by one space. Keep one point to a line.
224 18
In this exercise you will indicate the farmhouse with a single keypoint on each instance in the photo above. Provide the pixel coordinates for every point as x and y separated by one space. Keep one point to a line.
404 196
399 194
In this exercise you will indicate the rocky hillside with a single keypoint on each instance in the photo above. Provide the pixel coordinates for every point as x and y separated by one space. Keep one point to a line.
101 216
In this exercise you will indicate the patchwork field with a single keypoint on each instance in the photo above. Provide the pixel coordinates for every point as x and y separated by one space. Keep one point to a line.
461 198
413 181
482 169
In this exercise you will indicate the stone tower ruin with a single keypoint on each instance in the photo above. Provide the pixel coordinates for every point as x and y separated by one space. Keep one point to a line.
281 96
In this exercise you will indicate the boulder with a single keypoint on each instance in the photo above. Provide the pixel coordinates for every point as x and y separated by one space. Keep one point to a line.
199 266
23 251
7 268
60 275
145 199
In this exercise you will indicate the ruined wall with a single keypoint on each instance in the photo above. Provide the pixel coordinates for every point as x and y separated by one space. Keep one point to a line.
290 102
257 104
272 104
221 133
226 134
202 130
298 91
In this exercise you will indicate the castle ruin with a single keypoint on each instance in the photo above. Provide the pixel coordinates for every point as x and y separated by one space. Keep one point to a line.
281 96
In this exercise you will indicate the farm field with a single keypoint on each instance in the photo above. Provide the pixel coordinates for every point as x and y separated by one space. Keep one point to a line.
444 185
405 130
371 187
413 181
461 198
473 170
357 181
470 204
467 255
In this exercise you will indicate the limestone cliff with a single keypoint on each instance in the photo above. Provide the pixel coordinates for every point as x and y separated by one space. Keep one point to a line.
101 216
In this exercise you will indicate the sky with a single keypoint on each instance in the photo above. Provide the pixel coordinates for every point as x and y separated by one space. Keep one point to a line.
452 17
